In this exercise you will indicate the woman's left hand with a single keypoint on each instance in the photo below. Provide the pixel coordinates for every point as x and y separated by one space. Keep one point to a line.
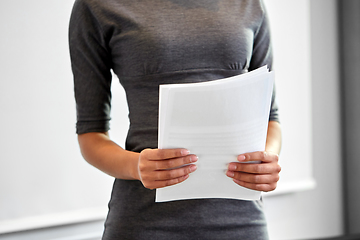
261 176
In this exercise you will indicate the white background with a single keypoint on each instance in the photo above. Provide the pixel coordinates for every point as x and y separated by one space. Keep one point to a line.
44 180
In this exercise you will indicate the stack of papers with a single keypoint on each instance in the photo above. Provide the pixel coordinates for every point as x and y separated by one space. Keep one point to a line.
215 120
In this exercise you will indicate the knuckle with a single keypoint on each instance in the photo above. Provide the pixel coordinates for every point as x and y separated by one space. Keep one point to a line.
161 165
159 175
141 167
170 174
145 152
158 165
161 154
175 163
170 164
240 167
257 179
259 168
171 182
168 183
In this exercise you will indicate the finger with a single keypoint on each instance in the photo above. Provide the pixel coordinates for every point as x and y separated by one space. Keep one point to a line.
254 178
257 187
169 182
165 183
261 168
161 154
175 162
258 156
174 173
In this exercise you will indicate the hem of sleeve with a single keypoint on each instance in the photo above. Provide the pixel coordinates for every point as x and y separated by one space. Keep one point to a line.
274 117
92 126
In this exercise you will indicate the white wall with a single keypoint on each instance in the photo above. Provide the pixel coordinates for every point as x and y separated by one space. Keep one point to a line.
36 101
42 174
290 28
317 213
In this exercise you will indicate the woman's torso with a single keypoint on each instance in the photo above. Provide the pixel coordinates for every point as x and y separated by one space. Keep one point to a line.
152 42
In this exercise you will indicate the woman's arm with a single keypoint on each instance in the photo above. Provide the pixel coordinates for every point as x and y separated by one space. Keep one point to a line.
273 140
153 167
106 155
265 175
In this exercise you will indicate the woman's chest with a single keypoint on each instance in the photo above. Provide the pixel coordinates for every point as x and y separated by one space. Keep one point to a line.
173 35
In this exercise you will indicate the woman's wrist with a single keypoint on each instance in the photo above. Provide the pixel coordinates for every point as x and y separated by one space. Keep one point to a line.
104 154
134 167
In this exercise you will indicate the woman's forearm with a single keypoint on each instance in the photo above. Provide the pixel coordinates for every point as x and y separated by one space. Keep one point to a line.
106 155
273 140
155 168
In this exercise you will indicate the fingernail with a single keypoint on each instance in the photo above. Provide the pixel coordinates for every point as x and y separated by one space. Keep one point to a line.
232 167
193 168
193 158
185 152
241 157
230 174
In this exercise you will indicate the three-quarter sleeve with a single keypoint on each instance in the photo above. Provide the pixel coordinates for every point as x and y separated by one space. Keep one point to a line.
263 55
91 65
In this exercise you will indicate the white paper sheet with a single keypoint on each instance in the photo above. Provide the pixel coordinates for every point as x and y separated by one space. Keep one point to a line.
215 120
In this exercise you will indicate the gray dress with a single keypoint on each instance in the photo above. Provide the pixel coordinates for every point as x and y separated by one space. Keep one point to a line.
152 42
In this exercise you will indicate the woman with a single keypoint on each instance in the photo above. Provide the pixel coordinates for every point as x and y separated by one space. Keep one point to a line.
152 42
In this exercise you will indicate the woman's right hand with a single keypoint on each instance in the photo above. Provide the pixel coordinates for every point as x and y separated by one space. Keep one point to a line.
159 168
